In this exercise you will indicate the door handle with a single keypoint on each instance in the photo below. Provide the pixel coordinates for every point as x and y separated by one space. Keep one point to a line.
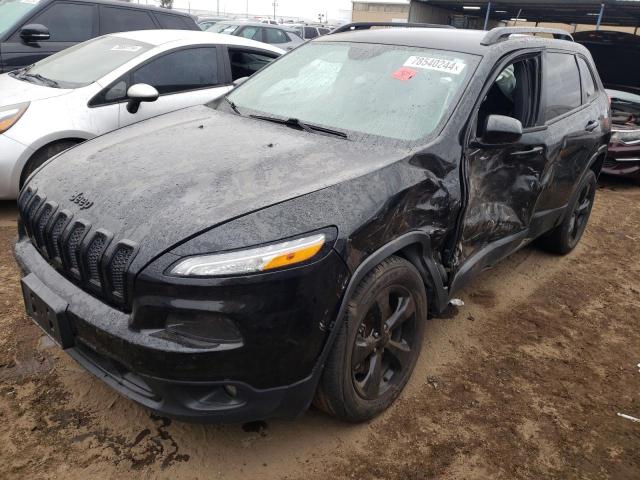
591 126
531 151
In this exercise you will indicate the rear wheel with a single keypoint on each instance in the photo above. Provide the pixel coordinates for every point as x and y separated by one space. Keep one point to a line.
566 236
42 155
378 344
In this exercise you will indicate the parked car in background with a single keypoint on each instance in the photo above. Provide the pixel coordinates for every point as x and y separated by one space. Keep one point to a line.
110 82
279 36
624 150
206 22
309 32
227 262
31 30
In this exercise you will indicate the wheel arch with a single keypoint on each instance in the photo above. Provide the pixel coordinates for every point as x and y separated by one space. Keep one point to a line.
44 144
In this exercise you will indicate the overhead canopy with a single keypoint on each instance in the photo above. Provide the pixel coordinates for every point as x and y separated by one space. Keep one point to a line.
616 12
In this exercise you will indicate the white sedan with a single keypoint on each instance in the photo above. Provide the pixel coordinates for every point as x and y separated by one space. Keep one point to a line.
111 82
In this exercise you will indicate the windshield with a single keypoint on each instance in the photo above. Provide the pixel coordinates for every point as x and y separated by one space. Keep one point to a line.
397 92
625 108
13 10
83 64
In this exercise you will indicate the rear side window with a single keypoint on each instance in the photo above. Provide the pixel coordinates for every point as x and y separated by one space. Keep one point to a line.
114 19
273 35
181 70
246 63
588 85
310 32
67 22
171 21
561 85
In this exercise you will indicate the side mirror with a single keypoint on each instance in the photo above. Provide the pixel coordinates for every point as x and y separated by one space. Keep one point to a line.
138 93
34 32
501 130
239 81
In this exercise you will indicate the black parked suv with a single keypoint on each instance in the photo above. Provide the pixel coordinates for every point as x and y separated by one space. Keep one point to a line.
31 30
234 261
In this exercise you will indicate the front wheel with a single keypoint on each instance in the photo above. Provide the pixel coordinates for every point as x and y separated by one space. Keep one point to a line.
565 237
378 343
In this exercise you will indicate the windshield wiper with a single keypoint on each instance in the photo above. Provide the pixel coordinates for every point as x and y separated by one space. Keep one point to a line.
44 80
232 105
295 123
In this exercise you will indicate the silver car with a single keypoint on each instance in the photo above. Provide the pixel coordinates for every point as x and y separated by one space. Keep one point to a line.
111 82
276 35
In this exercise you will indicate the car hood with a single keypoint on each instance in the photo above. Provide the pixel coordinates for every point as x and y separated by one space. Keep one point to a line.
165 180
14 91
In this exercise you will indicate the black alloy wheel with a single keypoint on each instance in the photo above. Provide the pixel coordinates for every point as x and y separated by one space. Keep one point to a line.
384 343
378 343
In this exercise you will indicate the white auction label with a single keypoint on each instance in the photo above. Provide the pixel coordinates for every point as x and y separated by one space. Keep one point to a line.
438 64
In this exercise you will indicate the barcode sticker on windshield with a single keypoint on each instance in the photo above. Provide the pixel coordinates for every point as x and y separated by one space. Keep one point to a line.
126 48
438 64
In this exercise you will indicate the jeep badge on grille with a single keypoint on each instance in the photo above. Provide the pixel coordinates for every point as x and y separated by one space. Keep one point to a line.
82 201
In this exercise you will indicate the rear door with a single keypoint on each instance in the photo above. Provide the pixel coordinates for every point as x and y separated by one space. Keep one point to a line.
184 77
116 19
69 23
572 113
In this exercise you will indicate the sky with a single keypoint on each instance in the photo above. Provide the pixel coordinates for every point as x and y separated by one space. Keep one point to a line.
294 8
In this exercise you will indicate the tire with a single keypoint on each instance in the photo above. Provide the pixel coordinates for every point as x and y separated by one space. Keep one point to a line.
564 238
370 365
42 155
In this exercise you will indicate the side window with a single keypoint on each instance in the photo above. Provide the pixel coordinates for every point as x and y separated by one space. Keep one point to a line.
274 36
170 21
588 85
114 19
252 33
514 94
246 63
310 32
116 92
180 71
67 22
561 85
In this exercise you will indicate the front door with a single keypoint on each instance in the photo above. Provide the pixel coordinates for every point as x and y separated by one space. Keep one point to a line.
184 78
68 23
503 182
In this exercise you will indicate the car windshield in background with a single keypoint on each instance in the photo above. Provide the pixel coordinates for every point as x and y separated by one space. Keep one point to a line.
398 92
83 64
13 10
625 107
223 28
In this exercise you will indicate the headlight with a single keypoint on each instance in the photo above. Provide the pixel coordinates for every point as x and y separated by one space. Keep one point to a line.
11 114
627 137
253 260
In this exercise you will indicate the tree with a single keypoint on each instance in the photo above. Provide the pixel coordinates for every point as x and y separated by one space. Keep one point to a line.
166 3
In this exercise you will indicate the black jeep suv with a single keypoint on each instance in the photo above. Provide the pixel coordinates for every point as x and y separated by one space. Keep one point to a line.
233 261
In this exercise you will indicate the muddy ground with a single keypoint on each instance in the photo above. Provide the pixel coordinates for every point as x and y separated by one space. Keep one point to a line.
525 381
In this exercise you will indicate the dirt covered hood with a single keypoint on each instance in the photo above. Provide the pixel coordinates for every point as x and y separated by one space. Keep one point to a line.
164 180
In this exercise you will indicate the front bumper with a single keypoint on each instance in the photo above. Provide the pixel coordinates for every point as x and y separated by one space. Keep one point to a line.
13 156
623 166
272 374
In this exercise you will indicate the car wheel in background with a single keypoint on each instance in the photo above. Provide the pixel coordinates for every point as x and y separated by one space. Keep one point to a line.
378 343
565 237
44 154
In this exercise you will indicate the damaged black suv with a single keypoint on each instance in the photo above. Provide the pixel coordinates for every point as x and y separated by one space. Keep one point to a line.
234 261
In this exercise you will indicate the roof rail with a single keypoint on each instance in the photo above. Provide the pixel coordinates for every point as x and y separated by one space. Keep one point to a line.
350 27
497 34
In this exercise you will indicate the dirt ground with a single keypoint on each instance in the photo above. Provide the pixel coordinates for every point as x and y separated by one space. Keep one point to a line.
525 381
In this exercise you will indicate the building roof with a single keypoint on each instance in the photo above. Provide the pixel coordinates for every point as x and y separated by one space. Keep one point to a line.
616 12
